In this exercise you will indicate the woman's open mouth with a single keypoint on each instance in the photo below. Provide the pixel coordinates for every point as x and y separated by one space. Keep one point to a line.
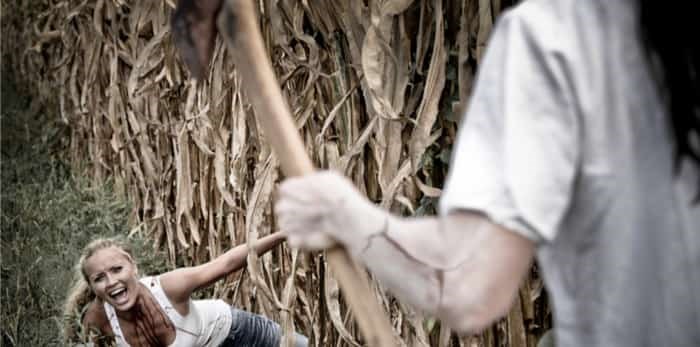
119 296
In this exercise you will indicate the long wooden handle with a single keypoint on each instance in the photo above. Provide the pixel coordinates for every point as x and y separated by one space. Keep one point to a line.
239 26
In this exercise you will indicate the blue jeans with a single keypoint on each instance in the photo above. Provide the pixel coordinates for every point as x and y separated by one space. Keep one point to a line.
252 330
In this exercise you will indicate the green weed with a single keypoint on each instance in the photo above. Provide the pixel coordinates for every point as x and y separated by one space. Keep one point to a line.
47 217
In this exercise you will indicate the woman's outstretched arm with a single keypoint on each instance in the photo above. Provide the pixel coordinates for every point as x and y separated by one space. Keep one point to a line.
180 283
462 268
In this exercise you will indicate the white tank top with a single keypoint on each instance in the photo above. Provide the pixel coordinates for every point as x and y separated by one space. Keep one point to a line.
206 325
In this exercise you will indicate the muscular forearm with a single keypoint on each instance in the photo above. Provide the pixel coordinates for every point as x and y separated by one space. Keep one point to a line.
461 268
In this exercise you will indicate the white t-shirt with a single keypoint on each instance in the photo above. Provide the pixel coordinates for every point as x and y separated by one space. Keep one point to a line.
566 141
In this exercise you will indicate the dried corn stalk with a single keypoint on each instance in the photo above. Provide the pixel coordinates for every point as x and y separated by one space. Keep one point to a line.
375 87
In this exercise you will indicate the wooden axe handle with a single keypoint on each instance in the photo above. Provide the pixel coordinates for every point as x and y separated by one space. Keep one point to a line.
239 26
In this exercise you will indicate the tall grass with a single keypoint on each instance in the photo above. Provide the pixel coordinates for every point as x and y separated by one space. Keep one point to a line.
47 217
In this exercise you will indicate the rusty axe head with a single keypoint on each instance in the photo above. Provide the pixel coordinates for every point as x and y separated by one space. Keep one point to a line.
194 33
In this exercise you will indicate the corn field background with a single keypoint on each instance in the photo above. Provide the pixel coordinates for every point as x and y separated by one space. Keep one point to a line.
376 88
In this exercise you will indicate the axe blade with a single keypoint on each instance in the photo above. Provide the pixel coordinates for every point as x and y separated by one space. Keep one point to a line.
194 31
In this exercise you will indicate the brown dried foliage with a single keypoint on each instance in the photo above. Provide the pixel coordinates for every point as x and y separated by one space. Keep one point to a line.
374 87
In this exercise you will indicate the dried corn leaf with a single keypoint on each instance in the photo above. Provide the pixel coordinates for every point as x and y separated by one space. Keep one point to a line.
364 79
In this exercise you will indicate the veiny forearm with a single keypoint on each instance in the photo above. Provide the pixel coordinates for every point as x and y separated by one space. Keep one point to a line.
461 268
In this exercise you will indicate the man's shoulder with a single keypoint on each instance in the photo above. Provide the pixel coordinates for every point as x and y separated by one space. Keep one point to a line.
570 12
543 24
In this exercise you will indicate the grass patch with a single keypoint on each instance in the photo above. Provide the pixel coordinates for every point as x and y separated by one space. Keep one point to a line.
47 217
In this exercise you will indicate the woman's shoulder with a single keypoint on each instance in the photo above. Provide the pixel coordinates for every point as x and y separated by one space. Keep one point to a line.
96 318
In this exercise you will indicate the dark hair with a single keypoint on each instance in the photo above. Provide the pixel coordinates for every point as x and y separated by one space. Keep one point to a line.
670 33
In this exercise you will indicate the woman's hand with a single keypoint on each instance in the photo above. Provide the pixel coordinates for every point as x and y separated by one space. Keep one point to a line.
320 209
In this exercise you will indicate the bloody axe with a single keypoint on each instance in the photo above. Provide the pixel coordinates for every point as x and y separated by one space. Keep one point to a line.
194 29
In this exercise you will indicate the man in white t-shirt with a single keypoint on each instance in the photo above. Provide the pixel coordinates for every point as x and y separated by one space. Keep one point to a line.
566 153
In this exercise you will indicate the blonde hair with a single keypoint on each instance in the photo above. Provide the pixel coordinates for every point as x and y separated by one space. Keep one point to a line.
80 294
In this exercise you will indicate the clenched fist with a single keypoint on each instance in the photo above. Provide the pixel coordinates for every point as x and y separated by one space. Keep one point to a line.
320 209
